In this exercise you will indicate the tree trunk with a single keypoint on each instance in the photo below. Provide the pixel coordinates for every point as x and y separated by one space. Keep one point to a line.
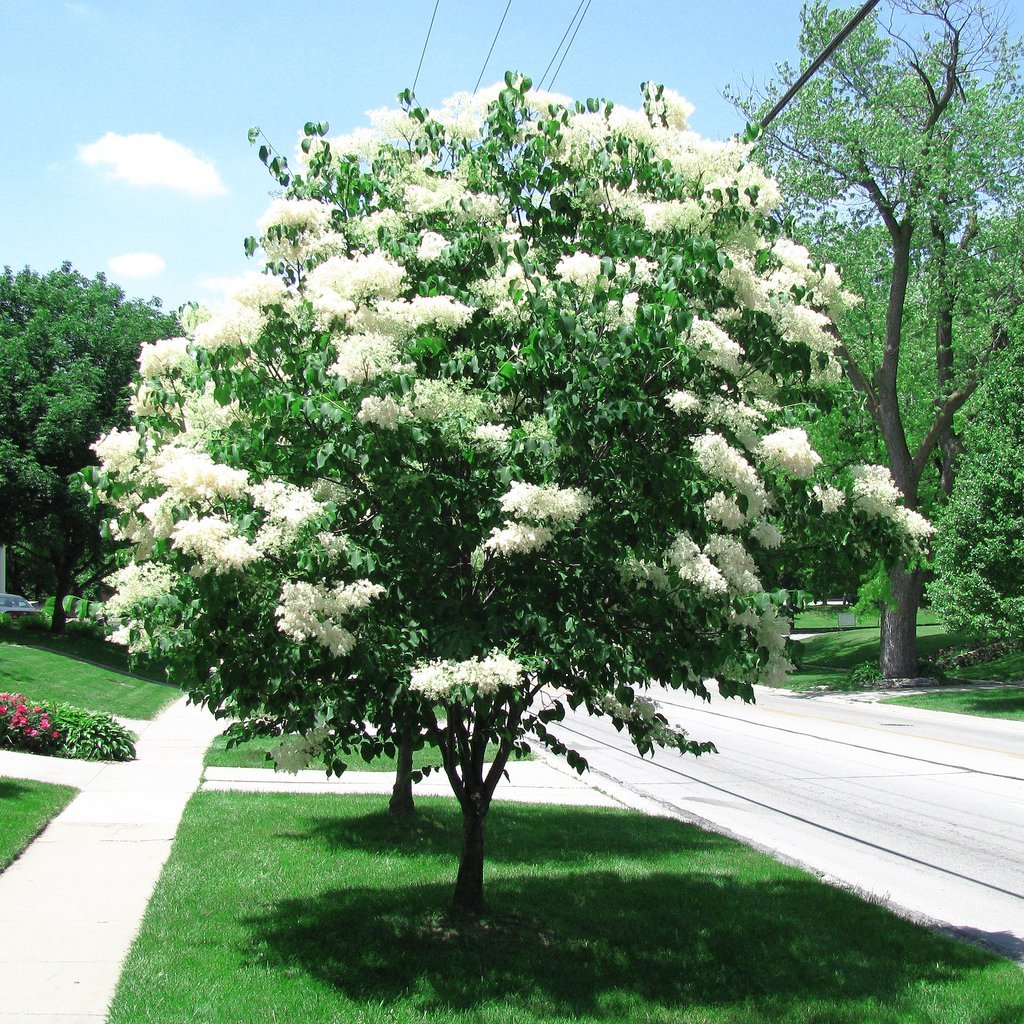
899 625
60 617
401 805
469 885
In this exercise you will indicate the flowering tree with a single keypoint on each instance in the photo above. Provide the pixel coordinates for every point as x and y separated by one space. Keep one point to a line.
507 426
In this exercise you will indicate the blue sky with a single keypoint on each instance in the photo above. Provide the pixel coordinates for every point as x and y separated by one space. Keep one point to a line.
82 80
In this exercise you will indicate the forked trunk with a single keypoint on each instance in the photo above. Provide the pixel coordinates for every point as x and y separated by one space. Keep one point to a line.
469 885
401 804
899 625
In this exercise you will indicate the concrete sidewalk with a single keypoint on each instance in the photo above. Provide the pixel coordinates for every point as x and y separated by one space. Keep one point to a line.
71 904
537 782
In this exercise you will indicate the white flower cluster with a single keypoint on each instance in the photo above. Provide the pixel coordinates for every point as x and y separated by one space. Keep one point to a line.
767 535
363 357
164 357
435 400
681 402
385 413
770 630
802 325
288 508
517 539
642 271
723 509
431 246
303 214
638 571
743 420
231 326
203 416
789 449
671 108
685 215
194 476
875 493
560 506
695 567
831 499
310 611
735 563
874 490
486 676
216 543
496 292
137 582
492 436
579 268
257 291
400 319
118 452
719 460
715 346
356 278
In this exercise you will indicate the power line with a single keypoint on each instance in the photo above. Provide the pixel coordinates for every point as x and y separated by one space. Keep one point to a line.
822 57
568 29
491 50
569 47
430 28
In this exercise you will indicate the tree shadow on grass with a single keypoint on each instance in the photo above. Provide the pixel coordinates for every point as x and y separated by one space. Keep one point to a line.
602 940
1003 704
11 788
516 834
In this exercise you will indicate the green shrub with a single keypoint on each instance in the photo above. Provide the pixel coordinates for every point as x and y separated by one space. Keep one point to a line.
39 622
864 673
91 735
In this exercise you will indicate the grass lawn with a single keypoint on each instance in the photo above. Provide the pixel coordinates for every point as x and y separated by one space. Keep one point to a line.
1006 702
1009 667
25 807
828 657
822 616
50 674
253 755
278 907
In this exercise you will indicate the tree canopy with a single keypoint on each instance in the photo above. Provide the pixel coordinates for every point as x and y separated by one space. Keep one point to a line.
979 553
901 161
508 427
68 351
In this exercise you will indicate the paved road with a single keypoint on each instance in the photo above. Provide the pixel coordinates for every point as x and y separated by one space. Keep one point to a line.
922 809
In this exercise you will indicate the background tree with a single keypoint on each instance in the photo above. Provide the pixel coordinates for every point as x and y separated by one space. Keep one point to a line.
901 161
979 554
68 350
509 429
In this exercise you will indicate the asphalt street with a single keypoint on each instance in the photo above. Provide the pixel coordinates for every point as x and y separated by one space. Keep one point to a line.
924 810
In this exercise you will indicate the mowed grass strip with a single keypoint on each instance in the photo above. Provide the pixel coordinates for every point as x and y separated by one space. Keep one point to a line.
1002 702
25 809
47 675
828 657
253 754
279 907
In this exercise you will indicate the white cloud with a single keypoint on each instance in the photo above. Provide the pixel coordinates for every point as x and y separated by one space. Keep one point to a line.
137 264
150 159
